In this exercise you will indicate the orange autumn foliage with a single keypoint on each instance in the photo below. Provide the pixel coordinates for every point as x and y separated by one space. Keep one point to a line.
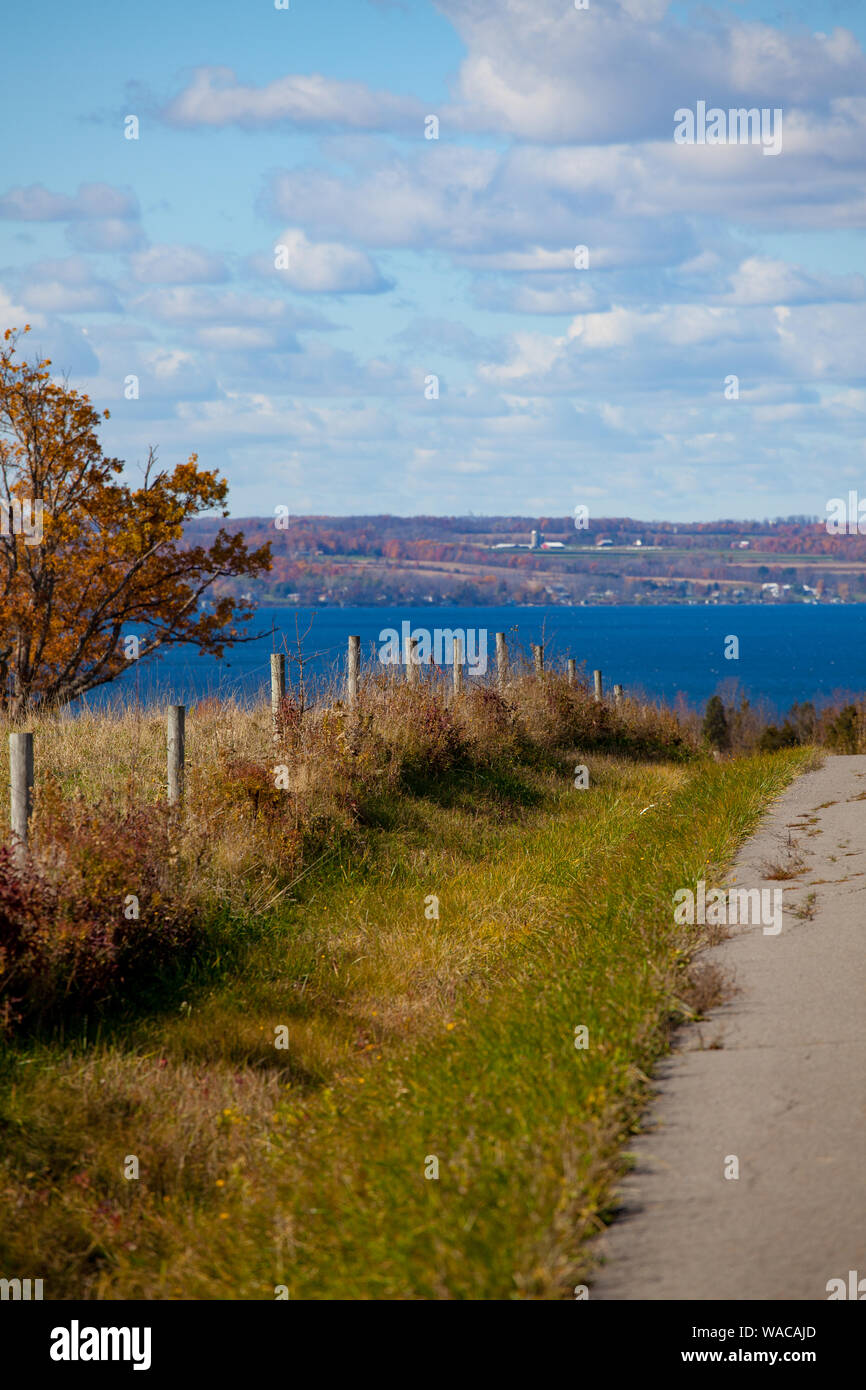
83 554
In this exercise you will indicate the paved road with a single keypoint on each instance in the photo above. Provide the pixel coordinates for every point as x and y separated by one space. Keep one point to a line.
785 1093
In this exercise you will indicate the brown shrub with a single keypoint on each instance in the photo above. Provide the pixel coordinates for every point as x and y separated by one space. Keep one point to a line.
95 907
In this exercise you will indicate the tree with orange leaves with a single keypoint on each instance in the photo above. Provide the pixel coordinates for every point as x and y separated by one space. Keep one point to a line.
83 555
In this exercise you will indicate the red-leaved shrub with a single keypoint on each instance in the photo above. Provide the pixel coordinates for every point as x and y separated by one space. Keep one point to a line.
94 910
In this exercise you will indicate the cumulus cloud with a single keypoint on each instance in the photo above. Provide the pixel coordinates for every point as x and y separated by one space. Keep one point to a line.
526 295
215 98
525 207
679 290
438 200
177 265
320 267
764 280
13 314
686 348
92 201
67 286
108 234
64 343
99 217
543 71
227 308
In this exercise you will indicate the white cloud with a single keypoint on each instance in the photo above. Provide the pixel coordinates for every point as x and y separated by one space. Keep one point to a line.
107 234
228 308
93 200
53 297
324 267
542 71
433 201
66 286
177 265
169 372
12 311
223 337
66 344
534 354
535 258
539 297
215 98
523 209
688 349
675 297
763 280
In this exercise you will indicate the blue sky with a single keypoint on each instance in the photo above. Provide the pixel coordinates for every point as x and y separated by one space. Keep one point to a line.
407 257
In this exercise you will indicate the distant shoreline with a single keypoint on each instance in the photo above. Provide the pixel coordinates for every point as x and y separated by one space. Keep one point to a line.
385 604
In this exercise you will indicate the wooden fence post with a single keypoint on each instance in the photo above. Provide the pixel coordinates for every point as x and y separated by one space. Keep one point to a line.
353 670
278 687
572 671
599 685
20 791
501 659
538 656
413 670
175 746
457 656
617 695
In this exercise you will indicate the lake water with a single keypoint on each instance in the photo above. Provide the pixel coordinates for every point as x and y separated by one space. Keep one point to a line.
786 652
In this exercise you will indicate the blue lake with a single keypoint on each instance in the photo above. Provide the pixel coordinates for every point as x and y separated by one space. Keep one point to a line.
786 652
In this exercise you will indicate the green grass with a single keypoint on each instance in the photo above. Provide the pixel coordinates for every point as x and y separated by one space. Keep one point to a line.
410 1039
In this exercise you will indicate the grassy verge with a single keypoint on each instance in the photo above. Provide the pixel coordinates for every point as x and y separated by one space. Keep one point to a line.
413 1041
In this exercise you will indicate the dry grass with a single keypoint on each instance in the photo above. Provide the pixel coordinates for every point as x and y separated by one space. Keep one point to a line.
790 867
244 839
409 1035
805 911
707 986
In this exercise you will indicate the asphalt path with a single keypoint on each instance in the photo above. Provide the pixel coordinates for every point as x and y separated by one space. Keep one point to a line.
774 1079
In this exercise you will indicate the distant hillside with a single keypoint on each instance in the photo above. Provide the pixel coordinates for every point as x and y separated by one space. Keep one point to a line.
493 560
